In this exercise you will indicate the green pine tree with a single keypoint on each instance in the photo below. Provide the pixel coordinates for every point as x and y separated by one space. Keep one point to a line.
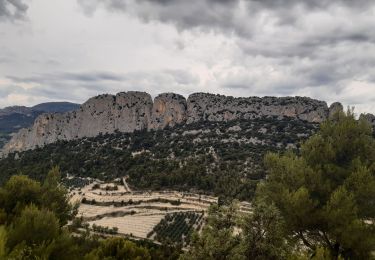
326 193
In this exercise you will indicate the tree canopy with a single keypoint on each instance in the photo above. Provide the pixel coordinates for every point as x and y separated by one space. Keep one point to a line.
118 248
21 191
33 218
326 192
230 234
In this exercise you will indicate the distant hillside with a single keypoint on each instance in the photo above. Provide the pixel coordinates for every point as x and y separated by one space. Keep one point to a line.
11 123
15 110
49 107
14 118
56 107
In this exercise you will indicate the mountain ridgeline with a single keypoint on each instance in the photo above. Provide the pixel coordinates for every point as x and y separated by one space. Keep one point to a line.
49 107
133 111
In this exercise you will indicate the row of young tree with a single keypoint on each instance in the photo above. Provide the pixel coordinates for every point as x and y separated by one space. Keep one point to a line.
177 227
316 203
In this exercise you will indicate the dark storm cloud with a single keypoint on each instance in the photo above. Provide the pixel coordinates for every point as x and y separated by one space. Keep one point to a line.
228 15
245 19
12 9
184 14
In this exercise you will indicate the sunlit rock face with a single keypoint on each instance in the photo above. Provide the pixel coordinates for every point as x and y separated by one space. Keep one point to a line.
169 109
130 111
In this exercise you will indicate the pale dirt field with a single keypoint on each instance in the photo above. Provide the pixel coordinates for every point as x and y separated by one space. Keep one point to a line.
136 220
137 225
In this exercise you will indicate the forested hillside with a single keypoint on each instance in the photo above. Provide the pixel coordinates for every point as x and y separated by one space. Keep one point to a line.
224 158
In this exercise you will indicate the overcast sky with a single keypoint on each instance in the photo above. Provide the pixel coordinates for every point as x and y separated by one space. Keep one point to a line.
73 49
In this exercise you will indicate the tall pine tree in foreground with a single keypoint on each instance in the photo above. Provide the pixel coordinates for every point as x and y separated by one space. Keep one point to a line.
326 191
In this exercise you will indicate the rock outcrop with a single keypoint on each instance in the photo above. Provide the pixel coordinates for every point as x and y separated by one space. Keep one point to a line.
369 118
131 111
335 108
211 107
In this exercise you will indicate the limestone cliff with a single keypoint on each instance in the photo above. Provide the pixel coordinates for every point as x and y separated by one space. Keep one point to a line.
125 112
221 108
169 109
131 111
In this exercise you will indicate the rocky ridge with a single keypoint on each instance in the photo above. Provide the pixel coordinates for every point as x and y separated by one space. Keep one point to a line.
131 111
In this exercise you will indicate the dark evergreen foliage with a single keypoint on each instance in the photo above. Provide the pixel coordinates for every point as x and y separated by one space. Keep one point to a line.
204 156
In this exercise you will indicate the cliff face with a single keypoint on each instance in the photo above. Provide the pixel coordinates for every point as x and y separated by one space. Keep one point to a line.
221 108
169 109
131 111
125 112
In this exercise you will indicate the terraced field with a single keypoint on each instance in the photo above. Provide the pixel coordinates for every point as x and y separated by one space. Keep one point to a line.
140 214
